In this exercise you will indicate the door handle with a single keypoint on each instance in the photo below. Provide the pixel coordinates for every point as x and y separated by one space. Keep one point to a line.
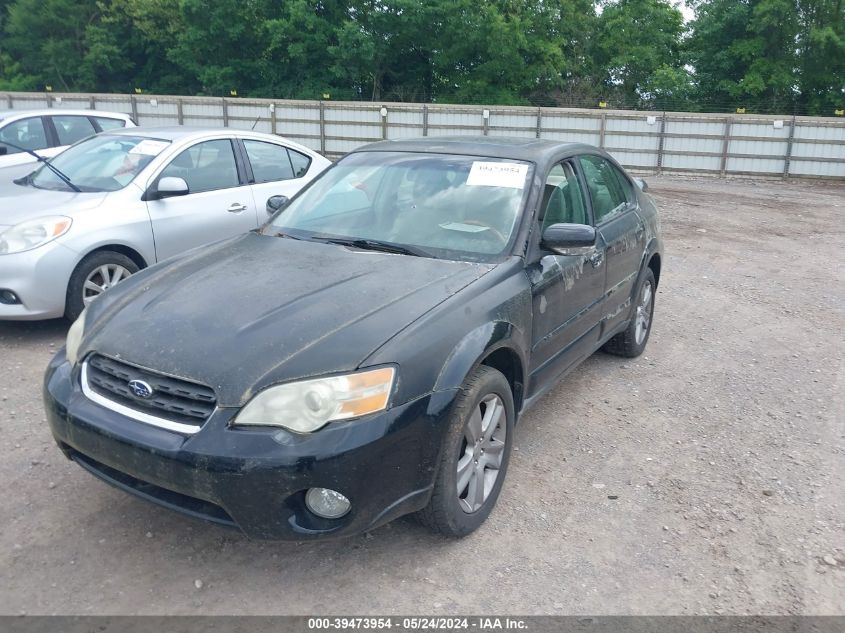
236 207
596 258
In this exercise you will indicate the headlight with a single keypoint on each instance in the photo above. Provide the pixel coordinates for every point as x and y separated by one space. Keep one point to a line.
33 233
307 405
74 338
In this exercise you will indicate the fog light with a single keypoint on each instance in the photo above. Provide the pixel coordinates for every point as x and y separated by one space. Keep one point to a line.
327 503
8 297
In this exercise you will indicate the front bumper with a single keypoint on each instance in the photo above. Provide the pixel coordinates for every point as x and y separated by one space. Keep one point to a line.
39 278
256 479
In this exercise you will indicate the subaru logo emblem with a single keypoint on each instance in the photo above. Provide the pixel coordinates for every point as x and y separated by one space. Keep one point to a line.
140 388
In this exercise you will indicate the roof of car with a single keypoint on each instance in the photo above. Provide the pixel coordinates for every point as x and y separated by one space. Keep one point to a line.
530 149
6 114
177 132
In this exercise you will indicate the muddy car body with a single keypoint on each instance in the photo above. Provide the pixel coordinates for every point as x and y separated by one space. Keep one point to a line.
428 350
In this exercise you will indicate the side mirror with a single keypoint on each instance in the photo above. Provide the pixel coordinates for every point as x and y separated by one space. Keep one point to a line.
642 184
274 203
559 237
3 150
170 187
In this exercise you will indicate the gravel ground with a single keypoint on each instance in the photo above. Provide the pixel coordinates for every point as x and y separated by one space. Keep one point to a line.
703 477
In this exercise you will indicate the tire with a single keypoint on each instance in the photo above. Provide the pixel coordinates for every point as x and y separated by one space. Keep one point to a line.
632 341
92 269
453 512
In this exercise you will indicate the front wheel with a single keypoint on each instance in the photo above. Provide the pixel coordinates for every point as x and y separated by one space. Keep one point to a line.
475 455
95 274
632 341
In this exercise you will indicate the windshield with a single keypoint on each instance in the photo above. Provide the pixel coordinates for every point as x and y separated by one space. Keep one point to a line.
446 206
100 163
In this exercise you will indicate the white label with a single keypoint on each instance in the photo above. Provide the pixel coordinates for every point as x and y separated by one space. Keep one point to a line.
651 120
464 228
149 147
778 124
484 174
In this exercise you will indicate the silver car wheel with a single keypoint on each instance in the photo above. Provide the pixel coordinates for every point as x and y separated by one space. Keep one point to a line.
482 452
101 279
644 313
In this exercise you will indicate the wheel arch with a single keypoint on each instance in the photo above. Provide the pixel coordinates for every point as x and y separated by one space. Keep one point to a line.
491 345
654 264
123 249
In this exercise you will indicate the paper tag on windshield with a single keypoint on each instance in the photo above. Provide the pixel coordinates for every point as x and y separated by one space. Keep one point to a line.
497 175
149 147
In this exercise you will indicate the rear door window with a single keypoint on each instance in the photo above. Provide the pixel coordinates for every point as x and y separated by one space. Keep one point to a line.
270 162
71 129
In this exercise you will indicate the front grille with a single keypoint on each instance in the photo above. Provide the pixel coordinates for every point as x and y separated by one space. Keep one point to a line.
173 399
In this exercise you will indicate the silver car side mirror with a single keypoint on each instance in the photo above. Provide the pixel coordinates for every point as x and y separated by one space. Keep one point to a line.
170 187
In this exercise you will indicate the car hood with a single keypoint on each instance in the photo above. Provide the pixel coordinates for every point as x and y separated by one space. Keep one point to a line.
253 311
19 203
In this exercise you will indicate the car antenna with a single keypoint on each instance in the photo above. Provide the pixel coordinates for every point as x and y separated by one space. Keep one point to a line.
53 168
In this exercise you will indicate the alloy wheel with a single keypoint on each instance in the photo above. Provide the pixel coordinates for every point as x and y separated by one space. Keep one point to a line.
101 279
482 450
643 318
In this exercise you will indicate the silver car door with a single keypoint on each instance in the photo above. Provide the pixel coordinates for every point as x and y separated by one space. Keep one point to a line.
218 204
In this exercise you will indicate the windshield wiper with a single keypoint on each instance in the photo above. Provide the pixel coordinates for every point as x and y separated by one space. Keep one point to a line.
41 159
376 245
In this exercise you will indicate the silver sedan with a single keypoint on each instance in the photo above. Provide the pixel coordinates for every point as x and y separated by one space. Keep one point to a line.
125 199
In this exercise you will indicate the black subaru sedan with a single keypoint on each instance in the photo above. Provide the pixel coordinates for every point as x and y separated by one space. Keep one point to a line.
368 352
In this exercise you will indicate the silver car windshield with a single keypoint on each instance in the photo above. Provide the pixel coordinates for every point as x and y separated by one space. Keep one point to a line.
100 163
440 205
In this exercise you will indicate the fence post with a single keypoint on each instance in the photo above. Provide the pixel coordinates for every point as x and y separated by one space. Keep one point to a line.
725 144
134 103
273 118
49 99
180 115
485 117
322 129
539 121
788 158
601 129
225 112
660 144
383 113
92 103
425 119
9 100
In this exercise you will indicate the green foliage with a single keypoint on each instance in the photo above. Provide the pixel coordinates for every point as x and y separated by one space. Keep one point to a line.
767 55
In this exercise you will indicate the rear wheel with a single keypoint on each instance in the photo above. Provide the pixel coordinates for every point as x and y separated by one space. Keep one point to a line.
632 341
93 276
475 456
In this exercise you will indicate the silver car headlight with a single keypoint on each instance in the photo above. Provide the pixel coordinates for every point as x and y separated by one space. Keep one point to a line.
33 233
308 405
74 338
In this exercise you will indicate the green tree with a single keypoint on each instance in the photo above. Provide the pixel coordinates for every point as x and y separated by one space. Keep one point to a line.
638 45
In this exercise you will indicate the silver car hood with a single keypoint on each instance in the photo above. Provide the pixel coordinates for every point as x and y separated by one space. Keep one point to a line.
19 203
